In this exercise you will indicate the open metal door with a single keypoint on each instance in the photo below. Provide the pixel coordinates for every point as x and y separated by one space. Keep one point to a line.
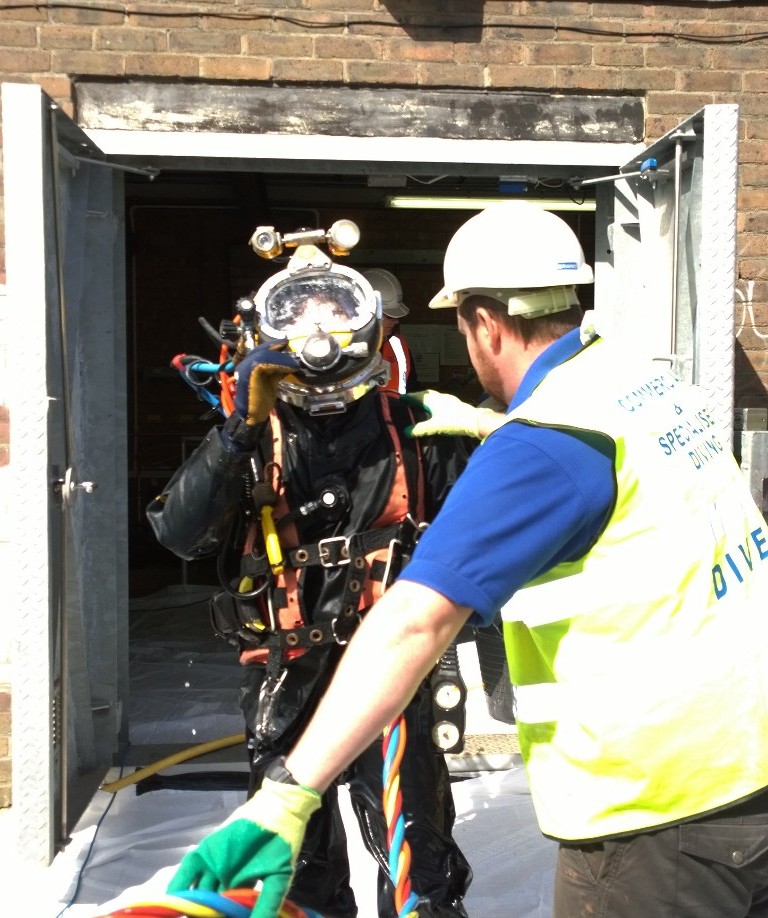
68 589
666 252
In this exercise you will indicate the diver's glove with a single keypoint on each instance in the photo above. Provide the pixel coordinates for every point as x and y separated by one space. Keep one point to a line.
260 841
449 415
257 377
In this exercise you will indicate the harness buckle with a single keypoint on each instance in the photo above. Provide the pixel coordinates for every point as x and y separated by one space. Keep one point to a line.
325 555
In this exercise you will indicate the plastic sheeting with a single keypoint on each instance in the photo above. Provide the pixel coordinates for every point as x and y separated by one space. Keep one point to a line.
133 844
126 846
183 681
183 693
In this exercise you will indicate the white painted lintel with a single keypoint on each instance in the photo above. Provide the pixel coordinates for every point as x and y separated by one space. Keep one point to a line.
194 144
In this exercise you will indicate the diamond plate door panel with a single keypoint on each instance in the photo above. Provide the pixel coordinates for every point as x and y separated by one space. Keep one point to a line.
715 342
67 587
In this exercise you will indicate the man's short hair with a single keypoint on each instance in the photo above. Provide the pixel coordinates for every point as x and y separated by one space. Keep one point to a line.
544 329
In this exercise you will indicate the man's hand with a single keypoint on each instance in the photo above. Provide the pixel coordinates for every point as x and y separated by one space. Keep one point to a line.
257 377
260 841
449 415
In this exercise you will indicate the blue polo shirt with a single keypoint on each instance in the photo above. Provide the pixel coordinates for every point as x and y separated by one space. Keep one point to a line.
529 498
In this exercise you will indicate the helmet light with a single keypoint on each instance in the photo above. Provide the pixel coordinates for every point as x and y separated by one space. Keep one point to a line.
341 238
266 242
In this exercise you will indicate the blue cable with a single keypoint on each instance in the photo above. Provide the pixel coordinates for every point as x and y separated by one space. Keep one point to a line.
391 750
205 366
410 906
227 907
81 870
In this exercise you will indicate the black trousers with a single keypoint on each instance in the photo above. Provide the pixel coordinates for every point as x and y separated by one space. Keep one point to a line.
439 872
712 867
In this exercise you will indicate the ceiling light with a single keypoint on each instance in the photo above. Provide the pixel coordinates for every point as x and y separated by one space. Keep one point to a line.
413 202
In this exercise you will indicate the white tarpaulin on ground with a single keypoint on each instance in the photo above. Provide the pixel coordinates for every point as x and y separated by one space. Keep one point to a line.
126 846
133 846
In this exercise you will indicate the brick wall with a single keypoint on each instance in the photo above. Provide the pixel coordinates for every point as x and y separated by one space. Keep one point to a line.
676 56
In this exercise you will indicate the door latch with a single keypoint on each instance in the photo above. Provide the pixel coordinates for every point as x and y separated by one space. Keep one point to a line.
68 486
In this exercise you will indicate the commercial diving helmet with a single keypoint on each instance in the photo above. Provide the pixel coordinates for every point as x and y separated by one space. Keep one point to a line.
330 317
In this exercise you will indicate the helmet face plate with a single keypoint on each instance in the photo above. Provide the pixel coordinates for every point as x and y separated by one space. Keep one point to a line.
316 301
330 317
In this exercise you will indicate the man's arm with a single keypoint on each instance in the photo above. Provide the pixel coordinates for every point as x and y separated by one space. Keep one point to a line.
193 515
395 647
449 415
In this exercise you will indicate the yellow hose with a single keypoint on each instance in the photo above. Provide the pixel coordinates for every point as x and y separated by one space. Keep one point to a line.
271 540
191 753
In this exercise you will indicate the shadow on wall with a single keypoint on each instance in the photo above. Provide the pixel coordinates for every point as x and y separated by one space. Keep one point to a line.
749 388
463 23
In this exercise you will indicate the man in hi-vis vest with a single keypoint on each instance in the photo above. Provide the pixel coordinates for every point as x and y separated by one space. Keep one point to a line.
605 518
394 348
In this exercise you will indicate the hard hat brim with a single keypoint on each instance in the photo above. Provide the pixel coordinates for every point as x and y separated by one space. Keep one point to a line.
443 300
398 311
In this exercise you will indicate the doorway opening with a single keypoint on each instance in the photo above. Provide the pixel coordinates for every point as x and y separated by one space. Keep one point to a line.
188 257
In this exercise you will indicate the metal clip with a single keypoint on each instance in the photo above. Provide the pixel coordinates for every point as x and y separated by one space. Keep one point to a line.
271 612
388 568
342 641
324 552
419 527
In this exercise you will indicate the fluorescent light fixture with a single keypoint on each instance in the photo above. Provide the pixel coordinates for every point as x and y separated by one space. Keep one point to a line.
424 202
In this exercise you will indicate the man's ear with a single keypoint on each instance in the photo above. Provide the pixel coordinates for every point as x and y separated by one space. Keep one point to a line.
488 327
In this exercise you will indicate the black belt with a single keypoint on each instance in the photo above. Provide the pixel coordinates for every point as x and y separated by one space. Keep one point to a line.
334 551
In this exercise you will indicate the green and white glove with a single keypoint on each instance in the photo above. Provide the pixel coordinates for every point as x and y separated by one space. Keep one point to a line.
449 415
260 841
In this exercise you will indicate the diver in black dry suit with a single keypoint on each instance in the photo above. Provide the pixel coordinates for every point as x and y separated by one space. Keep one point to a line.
348 492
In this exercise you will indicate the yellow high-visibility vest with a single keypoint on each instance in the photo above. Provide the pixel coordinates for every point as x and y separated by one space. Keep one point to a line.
642 668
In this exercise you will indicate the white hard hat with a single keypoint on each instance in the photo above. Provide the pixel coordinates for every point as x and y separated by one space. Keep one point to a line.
508 250
390 291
